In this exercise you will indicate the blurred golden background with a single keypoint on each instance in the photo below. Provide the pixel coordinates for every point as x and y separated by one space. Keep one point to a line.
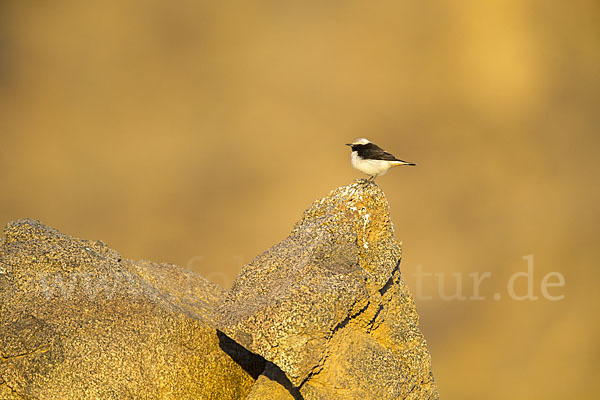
196 133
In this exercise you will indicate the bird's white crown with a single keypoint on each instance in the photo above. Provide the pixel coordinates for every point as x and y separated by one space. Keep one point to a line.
361 140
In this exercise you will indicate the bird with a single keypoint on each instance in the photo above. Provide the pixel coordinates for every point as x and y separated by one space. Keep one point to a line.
371 159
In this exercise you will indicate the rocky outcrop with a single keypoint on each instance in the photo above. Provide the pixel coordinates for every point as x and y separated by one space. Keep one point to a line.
324 314
78 322
327 306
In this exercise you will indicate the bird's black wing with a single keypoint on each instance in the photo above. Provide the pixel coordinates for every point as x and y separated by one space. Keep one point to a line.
373 152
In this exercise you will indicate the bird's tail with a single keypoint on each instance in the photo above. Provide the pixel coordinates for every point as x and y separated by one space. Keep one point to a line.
400 162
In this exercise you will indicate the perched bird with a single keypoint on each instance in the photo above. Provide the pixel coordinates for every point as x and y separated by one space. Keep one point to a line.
371 159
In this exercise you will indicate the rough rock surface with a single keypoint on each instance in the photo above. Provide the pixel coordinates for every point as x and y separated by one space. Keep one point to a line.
328 307
77 322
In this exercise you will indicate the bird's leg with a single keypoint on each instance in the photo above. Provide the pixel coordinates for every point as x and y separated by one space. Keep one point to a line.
372 179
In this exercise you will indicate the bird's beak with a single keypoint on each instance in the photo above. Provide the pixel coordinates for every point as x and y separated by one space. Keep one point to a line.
349 144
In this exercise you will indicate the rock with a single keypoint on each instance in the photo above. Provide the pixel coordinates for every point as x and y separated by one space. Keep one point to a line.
327 307
78 322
